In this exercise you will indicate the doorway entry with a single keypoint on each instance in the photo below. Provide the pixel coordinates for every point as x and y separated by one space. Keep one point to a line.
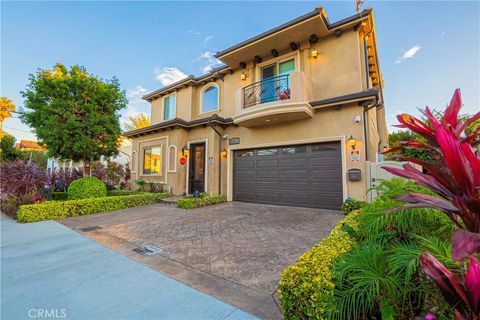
196 174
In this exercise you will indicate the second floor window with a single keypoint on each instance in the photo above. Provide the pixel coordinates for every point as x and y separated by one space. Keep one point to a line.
210 99
169 107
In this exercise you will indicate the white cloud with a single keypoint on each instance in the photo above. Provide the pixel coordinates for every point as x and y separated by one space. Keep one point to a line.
443 34
206 39
195 33
136 92
169 75
410 53
208 61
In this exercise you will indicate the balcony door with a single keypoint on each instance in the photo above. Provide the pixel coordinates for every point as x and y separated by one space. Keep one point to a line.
275 87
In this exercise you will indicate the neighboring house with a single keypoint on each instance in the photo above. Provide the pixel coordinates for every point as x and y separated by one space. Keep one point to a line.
124 157
28 145
274 124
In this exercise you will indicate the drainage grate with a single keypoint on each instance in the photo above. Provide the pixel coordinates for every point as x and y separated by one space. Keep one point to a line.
86 229
148 250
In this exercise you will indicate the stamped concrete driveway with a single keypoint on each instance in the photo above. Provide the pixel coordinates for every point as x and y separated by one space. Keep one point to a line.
233 251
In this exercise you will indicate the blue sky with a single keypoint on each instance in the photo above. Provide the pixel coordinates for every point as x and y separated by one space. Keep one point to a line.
427 49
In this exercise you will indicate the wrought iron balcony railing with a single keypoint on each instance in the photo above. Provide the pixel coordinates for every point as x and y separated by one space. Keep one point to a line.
268 90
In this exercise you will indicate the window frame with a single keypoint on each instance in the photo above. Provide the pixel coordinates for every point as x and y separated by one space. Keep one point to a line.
174 106
202 92
143 161
277 61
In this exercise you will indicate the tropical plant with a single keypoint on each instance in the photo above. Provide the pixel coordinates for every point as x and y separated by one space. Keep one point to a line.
22 182
74 113
380 277
394 139
6 109
456 178
138 121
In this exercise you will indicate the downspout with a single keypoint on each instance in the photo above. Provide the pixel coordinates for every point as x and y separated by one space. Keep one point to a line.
367 79
220 136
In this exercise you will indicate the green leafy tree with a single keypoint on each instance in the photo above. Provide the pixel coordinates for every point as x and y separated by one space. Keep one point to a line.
74 113
394 139
7 148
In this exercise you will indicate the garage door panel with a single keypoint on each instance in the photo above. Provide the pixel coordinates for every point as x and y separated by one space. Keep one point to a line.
267 163
306 175
267 174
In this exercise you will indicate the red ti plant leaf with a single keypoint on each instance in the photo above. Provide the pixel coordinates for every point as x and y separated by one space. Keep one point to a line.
449 286
472 285
464 243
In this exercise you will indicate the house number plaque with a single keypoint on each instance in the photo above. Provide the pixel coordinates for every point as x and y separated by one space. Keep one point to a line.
235 140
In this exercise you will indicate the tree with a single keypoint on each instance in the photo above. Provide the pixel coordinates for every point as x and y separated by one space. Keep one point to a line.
394 140
7 148
141 120
74 113
6 109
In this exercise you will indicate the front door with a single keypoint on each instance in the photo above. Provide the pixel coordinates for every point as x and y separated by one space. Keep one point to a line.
196 175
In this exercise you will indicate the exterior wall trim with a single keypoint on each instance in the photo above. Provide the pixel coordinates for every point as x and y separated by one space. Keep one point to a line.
341 139
137 169
170 147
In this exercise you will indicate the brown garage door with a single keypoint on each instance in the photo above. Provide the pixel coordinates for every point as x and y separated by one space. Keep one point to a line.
304 175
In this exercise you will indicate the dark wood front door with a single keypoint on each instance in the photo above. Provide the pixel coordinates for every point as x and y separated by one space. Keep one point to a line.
196 175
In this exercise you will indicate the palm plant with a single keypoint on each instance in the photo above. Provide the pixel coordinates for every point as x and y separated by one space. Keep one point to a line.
138 121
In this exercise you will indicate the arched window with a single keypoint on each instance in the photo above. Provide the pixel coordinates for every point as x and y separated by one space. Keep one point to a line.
172 158
210 99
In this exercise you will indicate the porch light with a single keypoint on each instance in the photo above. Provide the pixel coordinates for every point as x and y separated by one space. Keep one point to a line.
224 154
185 151
314 53
352 142
243 76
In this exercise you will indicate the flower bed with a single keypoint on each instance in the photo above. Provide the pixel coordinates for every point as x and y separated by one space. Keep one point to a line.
52 210
204 200
306 288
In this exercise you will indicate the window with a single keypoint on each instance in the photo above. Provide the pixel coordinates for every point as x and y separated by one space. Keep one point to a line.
172 158
169 107
267 152
294 150
246 153
152 160
210 99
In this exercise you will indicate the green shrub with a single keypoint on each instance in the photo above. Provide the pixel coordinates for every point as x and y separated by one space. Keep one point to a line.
52 210
85 188
204 200
59 196
306 288
122 192
351 204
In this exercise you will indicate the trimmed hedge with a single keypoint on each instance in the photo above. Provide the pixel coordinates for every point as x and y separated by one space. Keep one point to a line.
52 210
191 203
122 192
85 188
306 288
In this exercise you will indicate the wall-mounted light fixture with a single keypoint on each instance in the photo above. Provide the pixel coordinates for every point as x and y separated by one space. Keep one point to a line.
224 154
185 151
352 142
243 76
314 53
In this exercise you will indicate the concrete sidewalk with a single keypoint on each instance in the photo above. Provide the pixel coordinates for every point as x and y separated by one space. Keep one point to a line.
48 269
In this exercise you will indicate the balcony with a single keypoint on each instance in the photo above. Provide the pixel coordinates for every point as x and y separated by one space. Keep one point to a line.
273 100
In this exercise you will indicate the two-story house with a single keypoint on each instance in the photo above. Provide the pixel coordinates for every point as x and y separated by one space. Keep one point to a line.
283 122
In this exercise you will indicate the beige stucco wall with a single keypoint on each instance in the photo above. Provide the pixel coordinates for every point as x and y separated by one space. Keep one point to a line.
338 70
327 124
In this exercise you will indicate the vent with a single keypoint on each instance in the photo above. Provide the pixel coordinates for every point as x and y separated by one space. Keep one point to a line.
86 229
148 250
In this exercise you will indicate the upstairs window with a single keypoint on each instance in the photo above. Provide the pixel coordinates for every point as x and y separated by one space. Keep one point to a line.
169 107
210 99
